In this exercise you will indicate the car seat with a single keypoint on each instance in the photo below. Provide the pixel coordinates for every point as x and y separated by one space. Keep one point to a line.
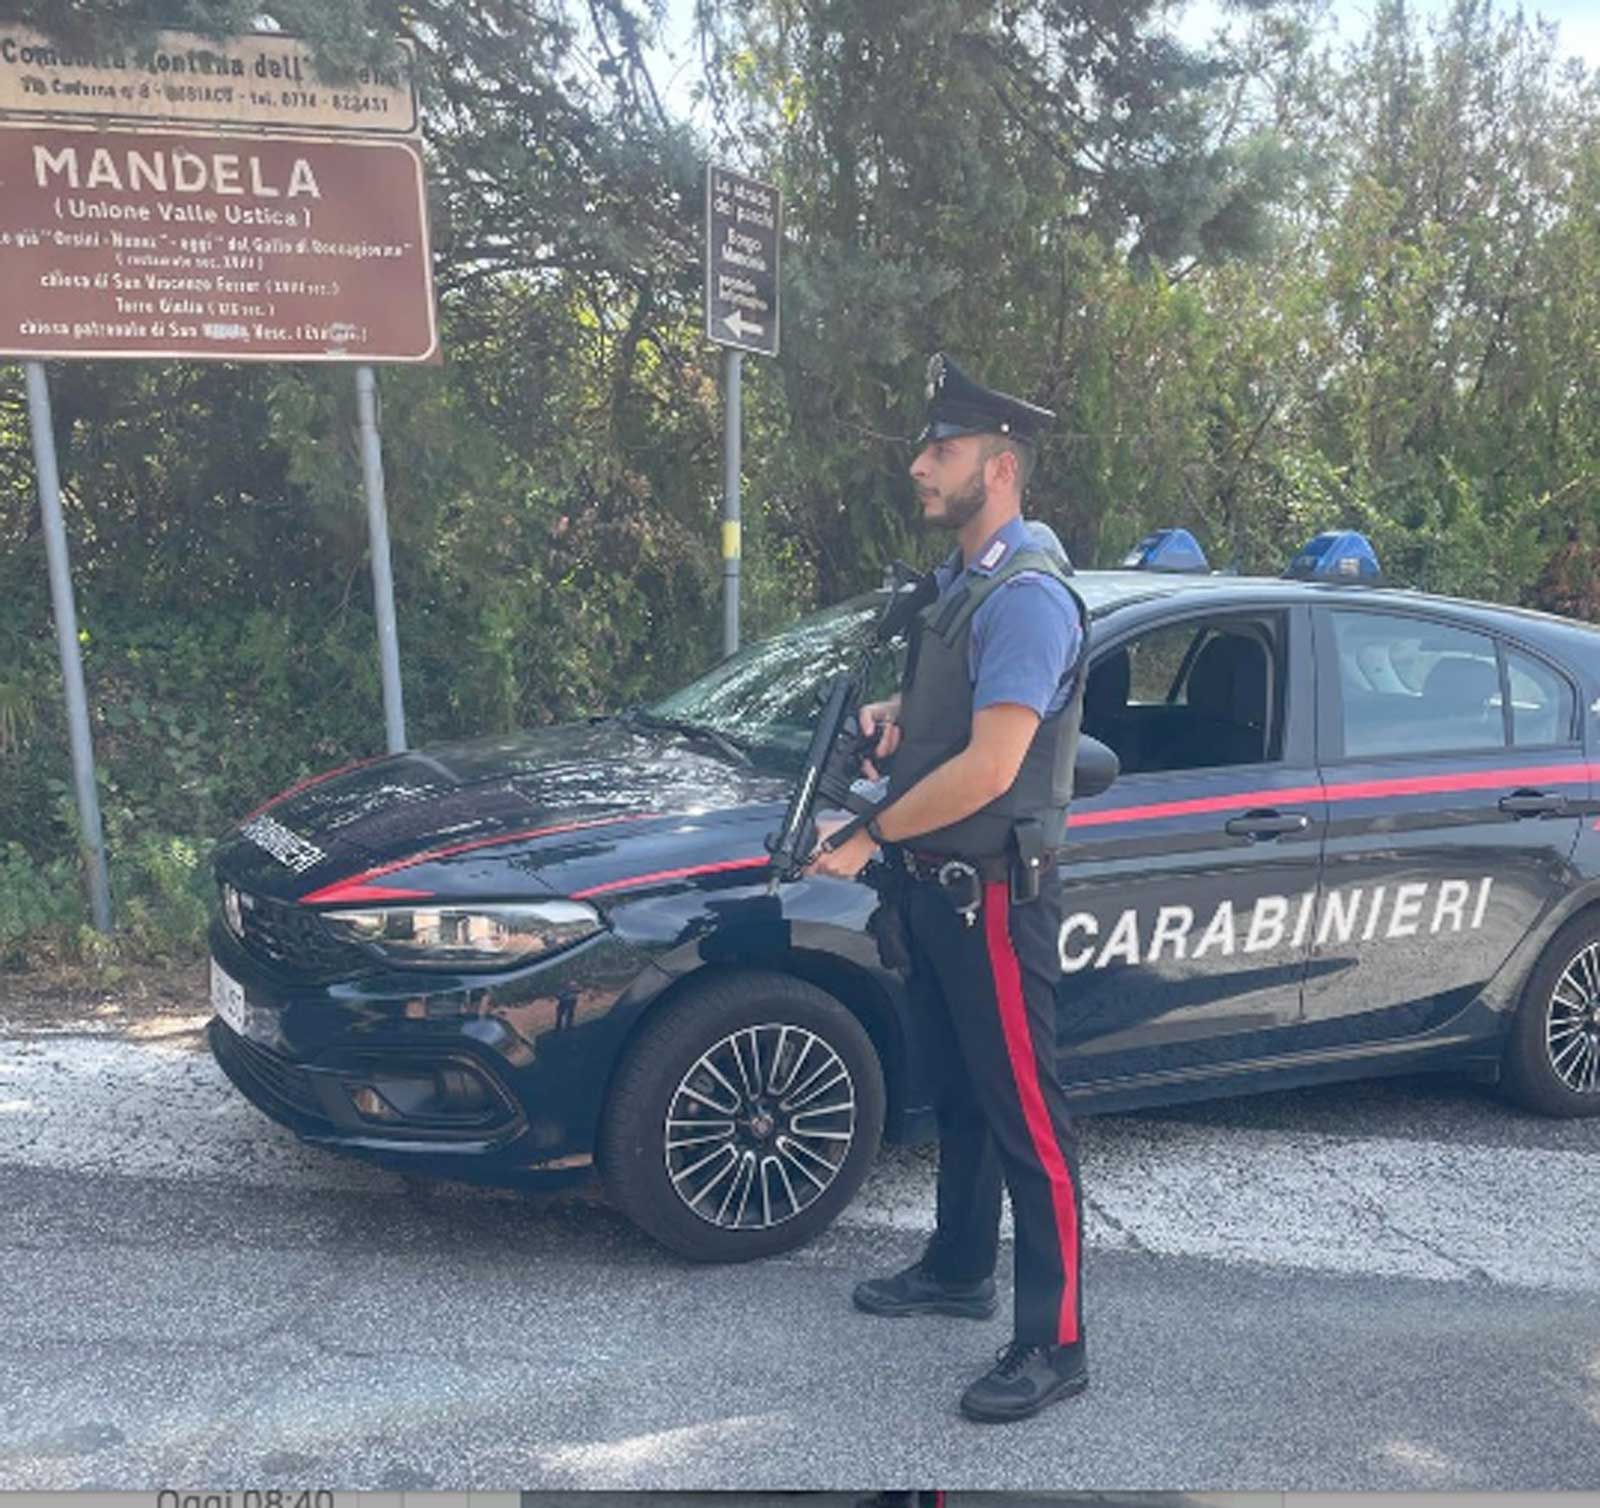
1105 707
1460 704
1227 707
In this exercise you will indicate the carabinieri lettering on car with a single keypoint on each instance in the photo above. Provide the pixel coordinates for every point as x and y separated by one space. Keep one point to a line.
1266 925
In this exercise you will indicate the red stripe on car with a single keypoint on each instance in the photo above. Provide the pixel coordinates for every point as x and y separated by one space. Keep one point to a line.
638 881
1349 790
350 889
1197 805
308 782
345 891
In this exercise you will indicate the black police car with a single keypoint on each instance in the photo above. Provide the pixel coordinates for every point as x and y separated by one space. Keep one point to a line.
1354 833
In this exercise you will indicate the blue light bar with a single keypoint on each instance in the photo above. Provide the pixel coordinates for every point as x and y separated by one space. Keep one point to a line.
1337 555
1166 550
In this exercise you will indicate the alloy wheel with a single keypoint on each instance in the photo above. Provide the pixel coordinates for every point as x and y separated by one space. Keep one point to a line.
759 1126
1572 1024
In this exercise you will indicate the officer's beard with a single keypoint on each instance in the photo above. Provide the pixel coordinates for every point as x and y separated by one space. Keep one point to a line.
960 508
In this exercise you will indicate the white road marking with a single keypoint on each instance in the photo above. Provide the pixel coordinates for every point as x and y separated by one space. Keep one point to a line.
1370 1206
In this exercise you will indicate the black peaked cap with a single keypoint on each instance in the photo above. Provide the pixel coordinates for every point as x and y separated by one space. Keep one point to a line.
959 406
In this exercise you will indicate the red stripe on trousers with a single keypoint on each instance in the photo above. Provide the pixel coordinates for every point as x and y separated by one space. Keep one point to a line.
1007 974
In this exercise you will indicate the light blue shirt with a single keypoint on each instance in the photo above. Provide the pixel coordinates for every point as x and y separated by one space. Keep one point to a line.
1025 635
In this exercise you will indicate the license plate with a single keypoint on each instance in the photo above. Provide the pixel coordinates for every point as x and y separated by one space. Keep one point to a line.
227 997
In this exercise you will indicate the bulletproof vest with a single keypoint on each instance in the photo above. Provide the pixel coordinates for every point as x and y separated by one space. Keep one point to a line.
936 720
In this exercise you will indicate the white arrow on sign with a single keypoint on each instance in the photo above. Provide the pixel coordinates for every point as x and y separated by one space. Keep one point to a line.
741 327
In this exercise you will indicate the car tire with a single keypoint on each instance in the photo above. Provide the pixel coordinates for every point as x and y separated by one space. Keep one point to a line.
1552 1058
743 1119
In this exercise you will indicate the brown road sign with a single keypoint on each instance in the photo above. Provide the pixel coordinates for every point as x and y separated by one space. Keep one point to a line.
238 247
263 80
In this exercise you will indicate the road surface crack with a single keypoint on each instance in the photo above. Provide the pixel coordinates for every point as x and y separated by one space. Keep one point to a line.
1367 1204
1103 1215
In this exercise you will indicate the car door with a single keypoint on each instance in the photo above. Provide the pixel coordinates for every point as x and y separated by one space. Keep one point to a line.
1455 774
1188 886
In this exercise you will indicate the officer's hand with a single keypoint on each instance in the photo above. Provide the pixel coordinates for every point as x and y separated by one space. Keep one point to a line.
879 718
845 862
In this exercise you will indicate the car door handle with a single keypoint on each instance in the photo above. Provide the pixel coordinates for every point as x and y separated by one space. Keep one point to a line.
1534 803
1266 824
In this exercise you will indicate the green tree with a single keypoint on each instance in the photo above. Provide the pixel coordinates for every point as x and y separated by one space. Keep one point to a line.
973 177
1456 235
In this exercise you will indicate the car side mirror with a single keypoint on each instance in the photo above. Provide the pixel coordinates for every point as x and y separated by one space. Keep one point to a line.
1096 769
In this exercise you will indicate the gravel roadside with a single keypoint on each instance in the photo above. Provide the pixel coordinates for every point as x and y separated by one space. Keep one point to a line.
144 1001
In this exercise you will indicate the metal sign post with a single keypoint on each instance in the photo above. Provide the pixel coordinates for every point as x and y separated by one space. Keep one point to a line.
732 425
66 614
394 711
744 220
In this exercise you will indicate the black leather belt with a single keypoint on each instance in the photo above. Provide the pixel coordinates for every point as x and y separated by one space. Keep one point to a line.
963 880
943 867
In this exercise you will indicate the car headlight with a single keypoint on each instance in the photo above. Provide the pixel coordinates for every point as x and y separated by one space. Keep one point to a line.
465 937
233 909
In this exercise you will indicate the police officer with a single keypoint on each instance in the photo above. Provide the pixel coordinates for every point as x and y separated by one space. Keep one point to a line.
983 735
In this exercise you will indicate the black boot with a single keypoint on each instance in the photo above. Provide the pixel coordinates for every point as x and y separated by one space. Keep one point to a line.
916 1291
1024 1379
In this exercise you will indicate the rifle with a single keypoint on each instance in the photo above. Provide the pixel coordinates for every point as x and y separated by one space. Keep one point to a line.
837 744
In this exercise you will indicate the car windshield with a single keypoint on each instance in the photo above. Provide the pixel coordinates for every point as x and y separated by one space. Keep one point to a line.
765 695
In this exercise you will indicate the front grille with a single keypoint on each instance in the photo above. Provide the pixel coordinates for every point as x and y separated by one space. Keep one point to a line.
274 1082
294 938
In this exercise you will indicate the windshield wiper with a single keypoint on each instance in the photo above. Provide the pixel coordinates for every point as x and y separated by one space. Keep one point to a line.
724 742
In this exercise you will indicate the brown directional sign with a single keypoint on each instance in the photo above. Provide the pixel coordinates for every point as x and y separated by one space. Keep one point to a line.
239 247
744 219
264 79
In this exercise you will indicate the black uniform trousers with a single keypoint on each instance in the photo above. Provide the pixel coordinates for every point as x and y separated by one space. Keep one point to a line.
990 992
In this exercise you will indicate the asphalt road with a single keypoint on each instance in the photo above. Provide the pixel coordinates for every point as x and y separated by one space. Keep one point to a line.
1395 1286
